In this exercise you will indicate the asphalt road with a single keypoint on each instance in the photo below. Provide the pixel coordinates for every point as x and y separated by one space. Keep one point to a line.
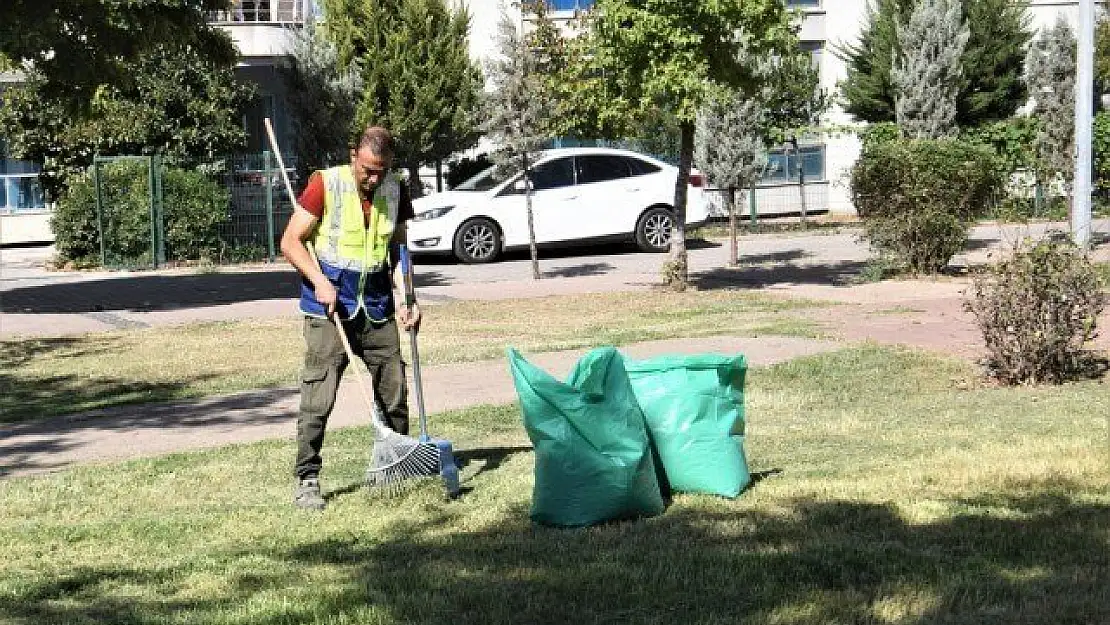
35 301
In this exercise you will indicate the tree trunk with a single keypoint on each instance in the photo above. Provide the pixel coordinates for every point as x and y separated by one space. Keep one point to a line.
439 176
416 187
531 221
676 274
730 200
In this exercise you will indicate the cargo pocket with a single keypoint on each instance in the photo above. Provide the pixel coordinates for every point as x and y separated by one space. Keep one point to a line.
317 390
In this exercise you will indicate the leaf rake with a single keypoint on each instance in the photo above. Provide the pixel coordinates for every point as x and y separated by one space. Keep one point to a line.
445 467
395 459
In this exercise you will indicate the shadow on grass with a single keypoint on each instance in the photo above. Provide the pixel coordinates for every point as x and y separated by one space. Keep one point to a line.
32 445
1030 558
491 458
27 395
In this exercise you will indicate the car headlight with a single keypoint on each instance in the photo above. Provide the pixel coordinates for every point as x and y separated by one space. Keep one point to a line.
434 213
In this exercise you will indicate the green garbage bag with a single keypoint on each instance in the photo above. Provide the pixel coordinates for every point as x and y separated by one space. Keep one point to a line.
593 459
694 407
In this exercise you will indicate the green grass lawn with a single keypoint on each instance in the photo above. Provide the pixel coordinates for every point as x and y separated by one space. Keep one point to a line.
893 489
58 375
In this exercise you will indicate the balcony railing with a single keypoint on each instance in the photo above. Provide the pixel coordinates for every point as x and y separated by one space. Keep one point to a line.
265 12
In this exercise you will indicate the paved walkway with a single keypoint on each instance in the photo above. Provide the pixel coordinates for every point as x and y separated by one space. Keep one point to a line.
148 430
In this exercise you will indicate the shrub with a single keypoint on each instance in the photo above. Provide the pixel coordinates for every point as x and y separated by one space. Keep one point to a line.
126 217
1100 147
1012 140
1037 309
879 133
193 209
918 197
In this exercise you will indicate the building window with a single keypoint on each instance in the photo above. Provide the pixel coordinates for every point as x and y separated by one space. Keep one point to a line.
19 184
806 4
21 192
782 165
569 5
816 50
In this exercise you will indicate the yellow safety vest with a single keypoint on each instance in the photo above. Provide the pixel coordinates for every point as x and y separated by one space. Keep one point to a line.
353 253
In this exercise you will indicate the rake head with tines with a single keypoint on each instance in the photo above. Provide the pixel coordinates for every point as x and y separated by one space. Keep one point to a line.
397 459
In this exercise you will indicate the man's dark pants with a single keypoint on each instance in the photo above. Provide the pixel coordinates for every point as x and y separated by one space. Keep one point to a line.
379 347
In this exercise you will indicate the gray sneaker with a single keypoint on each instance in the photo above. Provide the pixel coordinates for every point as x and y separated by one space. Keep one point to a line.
308 496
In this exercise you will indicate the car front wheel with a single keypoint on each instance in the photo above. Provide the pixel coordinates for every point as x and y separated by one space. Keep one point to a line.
653 231
477 241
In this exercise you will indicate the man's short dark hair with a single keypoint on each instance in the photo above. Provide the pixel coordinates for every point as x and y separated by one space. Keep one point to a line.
378 140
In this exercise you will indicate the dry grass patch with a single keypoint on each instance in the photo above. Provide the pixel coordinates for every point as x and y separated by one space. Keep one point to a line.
61 375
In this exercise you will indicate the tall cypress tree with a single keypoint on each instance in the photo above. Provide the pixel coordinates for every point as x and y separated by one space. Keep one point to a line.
868 91
321 100
418 78
927 78
993 61
1051 77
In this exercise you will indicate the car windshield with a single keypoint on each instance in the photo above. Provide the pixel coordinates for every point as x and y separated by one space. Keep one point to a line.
483 181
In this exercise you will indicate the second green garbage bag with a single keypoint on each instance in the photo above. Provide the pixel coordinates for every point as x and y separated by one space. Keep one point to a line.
594 462
694 406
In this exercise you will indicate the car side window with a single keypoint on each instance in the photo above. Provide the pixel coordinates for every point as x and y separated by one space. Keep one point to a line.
550 175
553 174
641 167
600 167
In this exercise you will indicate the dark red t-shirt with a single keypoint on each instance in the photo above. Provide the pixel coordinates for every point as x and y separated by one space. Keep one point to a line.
312 200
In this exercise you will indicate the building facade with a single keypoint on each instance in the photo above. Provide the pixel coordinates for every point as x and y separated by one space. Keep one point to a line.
261 31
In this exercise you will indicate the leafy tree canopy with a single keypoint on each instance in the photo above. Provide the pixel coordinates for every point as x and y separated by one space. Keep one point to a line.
75 46
176 103
667 53
636 57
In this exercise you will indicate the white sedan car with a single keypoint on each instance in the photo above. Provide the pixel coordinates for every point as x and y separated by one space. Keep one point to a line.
578 195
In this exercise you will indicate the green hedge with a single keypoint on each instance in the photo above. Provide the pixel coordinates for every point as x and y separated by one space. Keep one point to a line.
917 198
194 207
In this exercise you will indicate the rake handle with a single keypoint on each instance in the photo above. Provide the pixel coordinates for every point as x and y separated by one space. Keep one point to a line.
281 161
410 299
363 384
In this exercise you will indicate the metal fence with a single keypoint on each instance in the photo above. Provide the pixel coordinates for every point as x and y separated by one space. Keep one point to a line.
130 217
772 200
259 206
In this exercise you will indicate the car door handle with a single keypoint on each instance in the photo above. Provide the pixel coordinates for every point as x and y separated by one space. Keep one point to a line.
570 197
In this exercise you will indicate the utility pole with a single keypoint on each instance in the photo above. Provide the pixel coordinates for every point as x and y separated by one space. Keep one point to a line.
1084 111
